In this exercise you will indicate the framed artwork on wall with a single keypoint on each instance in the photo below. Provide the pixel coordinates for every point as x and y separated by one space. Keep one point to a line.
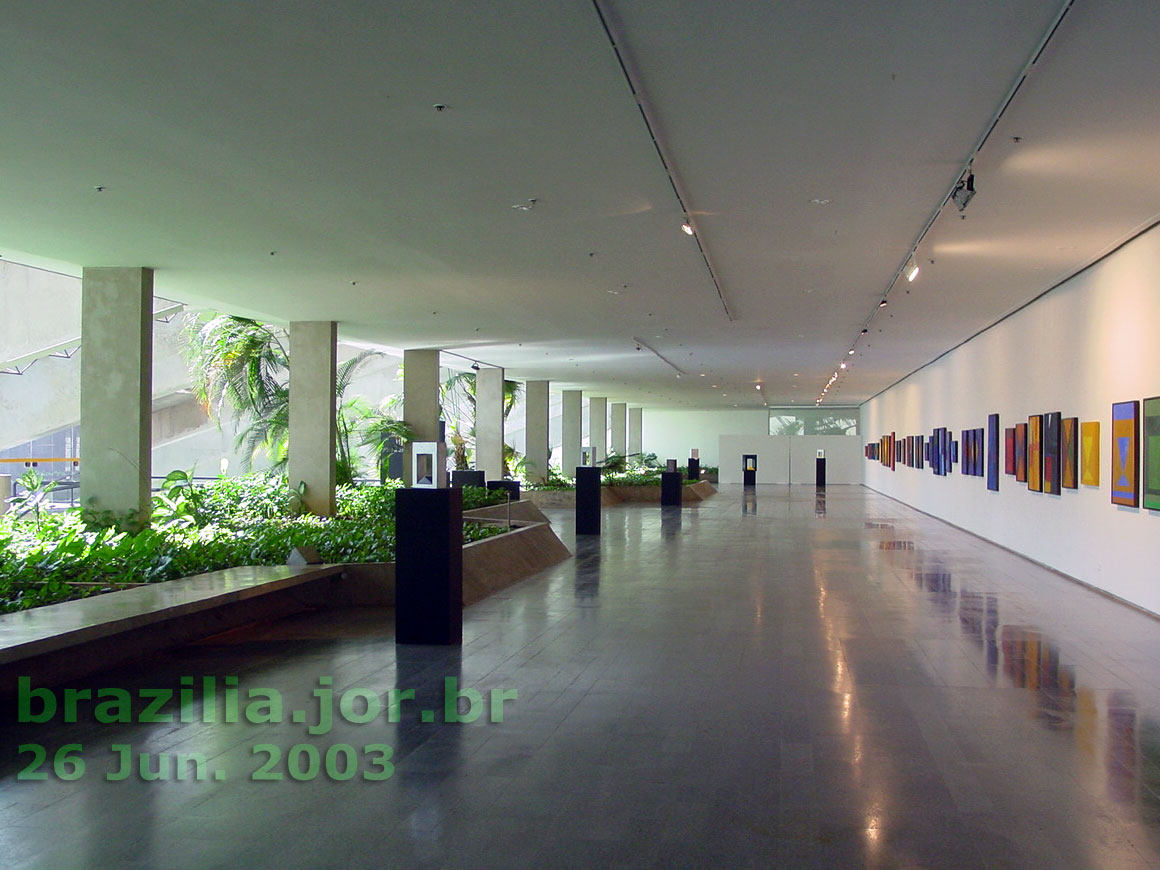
1089 444
1069 453
1052 423
1150 449
1125 450
919 448
1021 452
993 452
1035 453
1009 450
980 452
952 449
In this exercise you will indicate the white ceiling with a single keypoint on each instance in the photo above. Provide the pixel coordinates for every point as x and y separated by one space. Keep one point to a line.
284 160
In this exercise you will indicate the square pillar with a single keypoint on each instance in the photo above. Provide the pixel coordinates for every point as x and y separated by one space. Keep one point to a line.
619 428
116 391
536 450
598 428
420 399
489 422
571 426
635 431
313 362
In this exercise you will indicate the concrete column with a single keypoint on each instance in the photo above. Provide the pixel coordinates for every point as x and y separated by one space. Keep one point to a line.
619 433
536 449
570 428
116 390
598 428
635 430
420 400
489 422
313 361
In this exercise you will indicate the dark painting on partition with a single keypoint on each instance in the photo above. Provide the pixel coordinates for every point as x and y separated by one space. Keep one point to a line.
952 449
898 452
1021 452
1069 453
1009 451
920 444
1151 453
1125 450
926 451
1052 423
933 452
965 440
980 458
1035 453
993 452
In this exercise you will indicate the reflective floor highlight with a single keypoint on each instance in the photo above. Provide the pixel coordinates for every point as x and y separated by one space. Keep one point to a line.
772 678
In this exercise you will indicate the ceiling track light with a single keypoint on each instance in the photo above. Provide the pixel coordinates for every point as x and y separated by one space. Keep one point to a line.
882 304
687 228
964 191
911 269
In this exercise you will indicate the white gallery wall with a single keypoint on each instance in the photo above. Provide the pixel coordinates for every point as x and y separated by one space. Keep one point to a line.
1092 341
672 434
791 458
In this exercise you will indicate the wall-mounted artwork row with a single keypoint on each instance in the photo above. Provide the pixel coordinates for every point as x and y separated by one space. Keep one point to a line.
1050 452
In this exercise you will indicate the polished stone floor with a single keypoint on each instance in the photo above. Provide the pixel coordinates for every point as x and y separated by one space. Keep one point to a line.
768 679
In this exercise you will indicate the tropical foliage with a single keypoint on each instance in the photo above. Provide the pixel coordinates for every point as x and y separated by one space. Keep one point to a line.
243 365
248 520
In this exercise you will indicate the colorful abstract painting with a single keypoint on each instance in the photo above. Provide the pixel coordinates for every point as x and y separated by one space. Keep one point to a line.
1035 453
965 440
1151 452
1052 476
1021 452
1125 468
1009 451
1089 451
993 452
1069 453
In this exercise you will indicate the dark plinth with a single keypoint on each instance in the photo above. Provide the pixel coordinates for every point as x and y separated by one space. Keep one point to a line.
587 500
820 473
671 485
429 566
749 469
694 469
512 486
460 479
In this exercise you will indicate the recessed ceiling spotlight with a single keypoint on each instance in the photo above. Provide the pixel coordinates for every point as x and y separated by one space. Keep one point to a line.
850 352
820 201
614 292
758 386
843 365
702 374
687 229
525 206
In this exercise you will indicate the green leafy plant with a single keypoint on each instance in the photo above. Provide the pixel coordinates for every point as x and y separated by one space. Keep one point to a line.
36 491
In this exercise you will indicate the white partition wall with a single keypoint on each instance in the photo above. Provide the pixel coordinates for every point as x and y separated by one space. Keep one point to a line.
1090 342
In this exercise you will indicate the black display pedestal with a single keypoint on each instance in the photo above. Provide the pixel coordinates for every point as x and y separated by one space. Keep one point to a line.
460 479
694 469
429 566
512 486
587 500
820 473
671 488
749 469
